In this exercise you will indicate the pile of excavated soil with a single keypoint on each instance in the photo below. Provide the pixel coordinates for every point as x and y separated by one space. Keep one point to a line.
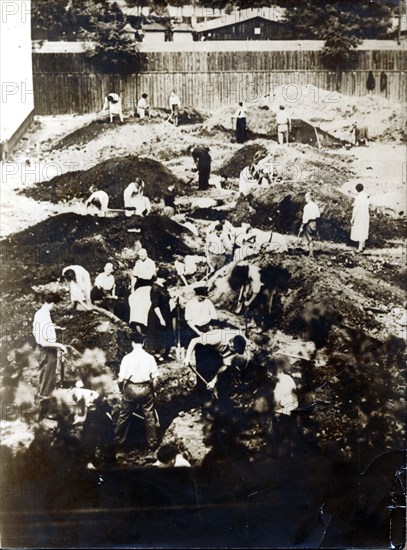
335 112
332 112
299 162
281 206
37 255
189 115
95 129
239 160
82 136
112 176
321 307
316 283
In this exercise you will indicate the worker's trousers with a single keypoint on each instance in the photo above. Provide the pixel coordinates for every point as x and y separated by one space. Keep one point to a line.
134 396
48 377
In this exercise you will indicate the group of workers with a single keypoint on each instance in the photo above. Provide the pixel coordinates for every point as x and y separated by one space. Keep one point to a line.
218 354
113 105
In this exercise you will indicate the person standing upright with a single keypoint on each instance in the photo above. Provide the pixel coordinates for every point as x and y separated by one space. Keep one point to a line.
44 332
175 104
137 380
283 122
360 218
160 334
240 116
308 229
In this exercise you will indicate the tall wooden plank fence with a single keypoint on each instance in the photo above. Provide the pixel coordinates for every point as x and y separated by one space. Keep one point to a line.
69 84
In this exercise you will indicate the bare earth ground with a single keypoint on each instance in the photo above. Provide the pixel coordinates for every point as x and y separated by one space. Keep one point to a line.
351 285
381 167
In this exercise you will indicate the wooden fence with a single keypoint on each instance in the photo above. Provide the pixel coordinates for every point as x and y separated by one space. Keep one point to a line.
68 83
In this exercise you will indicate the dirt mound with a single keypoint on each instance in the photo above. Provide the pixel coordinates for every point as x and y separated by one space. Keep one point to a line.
335 112
281 207
262 124
332 112
112 176
38 254
189 115
298 163
243 157
82 136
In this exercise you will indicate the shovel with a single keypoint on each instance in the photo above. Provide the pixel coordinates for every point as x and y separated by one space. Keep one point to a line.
213 390
180 351
157 419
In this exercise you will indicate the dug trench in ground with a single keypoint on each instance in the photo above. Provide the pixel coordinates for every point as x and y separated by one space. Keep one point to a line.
312 286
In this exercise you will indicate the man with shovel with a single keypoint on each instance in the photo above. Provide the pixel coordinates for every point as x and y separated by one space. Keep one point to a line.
221 346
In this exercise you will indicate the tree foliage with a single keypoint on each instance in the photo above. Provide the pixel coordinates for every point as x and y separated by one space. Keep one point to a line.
112 51
317 19
48 19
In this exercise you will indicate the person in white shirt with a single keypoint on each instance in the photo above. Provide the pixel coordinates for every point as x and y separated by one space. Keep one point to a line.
99 200
200 312
44 332
248 180
175 105
142 277
143 108
137 379
113 104
228 230
308 229
240 116
134 200
285 402
360 218
104 289
105 281
283 125
187 266
80 286
144 270
169 457
218 249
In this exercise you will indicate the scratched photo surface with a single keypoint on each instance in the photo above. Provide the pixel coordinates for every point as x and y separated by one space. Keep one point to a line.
203 274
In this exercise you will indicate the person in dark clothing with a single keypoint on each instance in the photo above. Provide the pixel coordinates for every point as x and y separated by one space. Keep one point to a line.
160 335
202 160
370 82
383 83
240 116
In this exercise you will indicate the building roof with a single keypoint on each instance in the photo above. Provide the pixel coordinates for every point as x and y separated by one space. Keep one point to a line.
268 14
154 26
129 28
182 27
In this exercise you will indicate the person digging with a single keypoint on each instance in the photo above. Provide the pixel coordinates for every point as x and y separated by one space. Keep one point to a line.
214 353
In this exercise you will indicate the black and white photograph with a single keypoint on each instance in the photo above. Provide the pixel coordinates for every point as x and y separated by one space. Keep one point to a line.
203 274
